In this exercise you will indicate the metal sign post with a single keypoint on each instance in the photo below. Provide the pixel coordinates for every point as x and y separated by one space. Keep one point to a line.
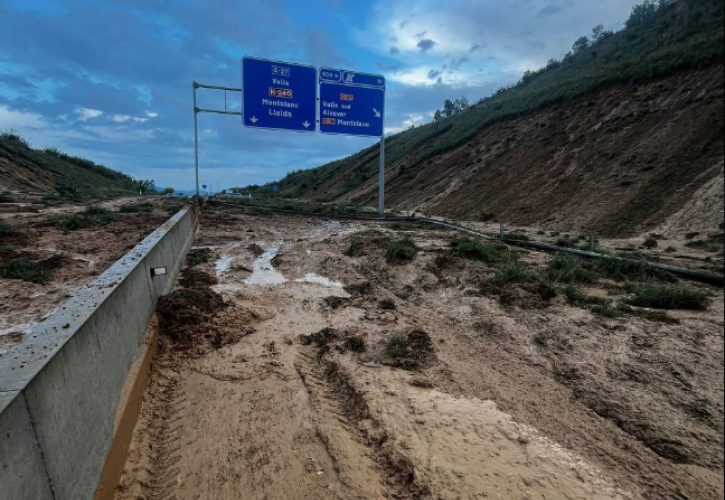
354 104
198 110
284 96
381 185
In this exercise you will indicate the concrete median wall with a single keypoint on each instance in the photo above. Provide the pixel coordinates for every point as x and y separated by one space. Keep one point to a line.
60 389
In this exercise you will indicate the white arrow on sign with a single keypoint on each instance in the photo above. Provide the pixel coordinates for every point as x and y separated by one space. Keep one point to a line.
254 120
377 113
307 124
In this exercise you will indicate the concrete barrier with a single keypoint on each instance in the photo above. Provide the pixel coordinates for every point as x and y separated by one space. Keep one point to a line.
60 389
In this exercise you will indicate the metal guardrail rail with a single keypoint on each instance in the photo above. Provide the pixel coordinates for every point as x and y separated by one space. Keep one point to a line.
689 274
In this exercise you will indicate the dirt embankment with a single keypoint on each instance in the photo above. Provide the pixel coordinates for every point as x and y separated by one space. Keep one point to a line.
47 252
297 361
620 161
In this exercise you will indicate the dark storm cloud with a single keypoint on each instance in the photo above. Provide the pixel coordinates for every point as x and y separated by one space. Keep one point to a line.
426 45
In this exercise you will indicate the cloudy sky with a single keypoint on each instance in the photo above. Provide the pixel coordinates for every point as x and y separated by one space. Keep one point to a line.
111 80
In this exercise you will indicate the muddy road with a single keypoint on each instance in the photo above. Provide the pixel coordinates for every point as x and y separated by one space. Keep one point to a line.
301 359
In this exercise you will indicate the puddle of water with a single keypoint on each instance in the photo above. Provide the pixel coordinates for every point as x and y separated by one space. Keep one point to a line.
264 273
223 264
320 280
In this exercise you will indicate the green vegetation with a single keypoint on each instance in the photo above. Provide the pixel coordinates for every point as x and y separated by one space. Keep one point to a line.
541 339
6 229
73 178
517 236
651 243
659 39
625 269
137 208
568 269
6 198
511 271
402 250
659 296
29 270
93 216
489 253
398 347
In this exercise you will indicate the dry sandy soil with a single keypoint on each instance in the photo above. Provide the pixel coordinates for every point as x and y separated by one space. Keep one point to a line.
297 363
78 256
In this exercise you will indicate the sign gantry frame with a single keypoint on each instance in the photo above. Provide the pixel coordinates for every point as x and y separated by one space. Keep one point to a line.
355 100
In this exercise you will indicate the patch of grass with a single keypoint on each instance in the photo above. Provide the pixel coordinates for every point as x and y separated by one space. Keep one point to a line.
607 311
512 271
569 269
577 298
6 229
477 250
403 226
137 208
6 198
625 269
387 305
541 339
93 216
651 243
8 248
402 250
663 296
398 347
334 302
30 270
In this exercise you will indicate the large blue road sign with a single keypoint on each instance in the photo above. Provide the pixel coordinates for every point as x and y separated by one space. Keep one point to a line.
352 103
279 95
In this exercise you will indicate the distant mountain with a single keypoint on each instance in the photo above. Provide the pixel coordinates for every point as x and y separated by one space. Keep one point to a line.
621 135
58 176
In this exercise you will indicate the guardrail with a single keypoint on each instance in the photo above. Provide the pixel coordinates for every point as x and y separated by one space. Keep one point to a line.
60 390
682 272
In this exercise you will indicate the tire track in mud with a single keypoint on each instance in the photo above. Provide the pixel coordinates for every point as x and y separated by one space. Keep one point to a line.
333 392
167 428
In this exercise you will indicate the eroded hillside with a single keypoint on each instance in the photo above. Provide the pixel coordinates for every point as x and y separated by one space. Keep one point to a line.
622 160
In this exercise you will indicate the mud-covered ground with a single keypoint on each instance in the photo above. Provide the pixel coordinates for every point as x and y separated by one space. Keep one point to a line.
42 261
297 362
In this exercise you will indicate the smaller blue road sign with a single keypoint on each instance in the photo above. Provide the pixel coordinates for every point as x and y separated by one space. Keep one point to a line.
275 188
352 103
279 95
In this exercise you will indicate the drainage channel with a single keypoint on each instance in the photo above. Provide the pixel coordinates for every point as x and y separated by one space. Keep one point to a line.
689 274
62 392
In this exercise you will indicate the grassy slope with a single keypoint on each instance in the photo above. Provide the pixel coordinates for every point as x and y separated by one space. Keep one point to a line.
59 175
684 35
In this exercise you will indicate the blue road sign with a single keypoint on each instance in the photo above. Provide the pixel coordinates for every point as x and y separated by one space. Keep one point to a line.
352 103
275 187
279 95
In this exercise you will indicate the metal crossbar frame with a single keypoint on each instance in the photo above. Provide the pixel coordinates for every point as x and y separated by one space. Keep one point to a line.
196 86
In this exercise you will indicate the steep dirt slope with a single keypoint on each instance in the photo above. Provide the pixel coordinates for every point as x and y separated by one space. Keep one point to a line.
618 161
